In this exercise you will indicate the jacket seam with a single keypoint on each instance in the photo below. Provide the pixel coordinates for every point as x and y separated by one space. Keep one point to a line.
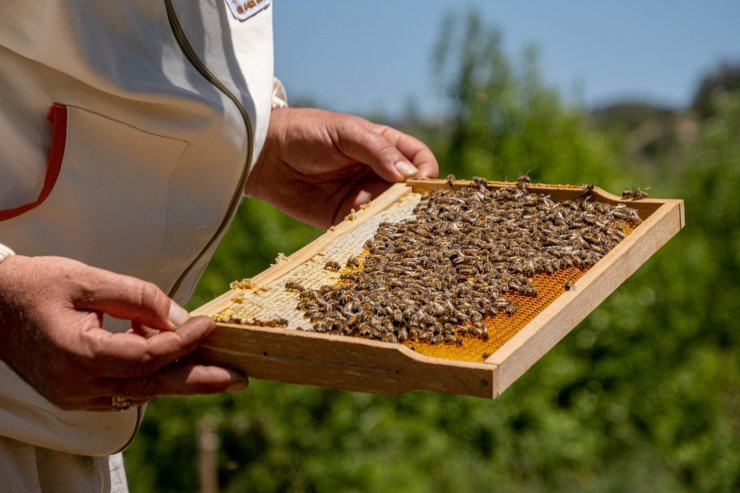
202 68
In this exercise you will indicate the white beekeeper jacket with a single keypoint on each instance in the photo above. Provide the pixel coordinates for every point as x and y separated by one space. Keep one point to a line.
127 130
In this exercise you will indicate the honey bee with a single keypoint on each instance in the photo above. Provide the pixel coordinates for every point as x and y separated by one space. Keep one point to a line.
450 339
635 193
467 271
352 307
389 337
450 180
350 276
294 286
569 285
402 336
522 181
619 233
480 181
353 263
278 322
332 266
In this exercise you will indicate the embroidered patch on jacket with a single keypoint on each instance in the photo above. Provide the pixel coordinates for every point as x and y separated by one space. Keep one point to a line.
244 9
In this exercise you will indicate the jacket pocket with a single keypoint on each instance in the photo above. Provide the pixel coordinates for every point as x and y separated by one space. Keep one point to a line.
105 197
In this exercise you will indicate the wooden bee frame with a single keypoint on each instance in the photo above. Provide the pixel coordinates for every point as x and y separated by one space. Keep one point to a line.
359 364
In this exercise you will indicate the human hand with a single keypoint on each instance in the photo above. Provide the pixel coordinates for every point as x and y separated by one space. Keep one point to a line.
51 314
317 165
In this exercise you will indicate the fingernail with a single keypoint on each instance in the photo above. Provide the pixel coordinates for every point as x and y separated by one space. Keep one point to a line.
178 315
406 169
237 385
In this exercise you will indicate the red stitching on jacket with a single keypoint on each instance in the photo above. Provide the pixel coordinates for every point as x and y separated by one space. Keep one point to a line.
58 118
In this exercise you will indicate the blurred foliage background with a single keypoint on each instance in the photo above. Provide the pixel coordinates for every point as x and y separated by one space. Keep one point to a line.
643 396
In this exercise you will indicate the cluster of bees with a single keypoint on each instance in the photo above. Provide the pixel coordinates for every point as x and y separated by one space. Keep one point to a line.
437 277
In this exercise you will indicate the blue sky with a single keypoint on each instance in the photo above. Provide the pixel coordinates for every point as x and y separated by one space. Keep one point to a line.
369 57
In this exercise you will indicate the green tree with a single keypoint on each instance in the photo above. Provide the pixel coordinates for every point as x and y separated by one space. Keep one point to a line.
723 78
504 121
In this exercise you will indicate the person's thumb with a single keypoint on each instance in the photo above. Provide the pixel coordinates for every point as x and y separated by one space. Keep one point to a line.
129 298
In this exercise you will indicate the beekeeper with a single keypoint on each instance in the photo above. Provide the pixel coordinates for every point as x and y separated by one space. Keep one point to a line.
129 133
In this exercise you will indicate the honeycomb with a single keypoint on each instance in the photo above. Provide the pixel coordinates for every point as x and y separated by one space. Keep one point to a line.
274 305
503 327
